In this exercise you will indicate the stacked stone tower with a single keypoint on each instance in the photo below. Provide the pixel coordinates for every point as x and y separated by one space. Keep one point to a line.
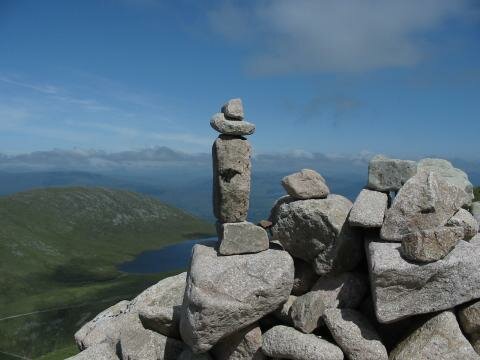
231 183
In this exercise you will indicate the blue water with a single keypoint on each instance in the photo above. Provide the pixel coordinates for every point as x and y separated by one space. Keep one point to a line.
170 258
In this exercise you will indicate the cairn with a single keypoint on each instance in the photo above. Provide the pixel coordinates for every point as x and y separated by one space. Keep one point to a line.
392 276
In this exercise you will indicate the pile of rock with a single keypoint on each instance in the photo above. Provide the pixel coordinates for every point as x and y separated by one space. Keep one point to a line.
381 278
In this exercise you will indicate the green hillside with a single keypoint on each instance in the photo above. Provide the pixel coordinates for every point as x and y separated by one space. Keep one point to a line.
476 192
59 249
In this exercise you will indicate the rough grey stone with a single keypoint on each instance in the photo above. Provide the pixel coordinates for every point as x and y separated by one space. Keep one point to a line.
451 174
142 344
306 312
306 184
231 178
287 343
187 354
283 313
158 299
345 290
231 127
469 317
426 201
233 109
385 174
316 231
464 219
475 341
242 238
439 338
475 210
159 307
243 345
106 326
98 352
305 277
431 245
369 209
355 335
227 293
401 288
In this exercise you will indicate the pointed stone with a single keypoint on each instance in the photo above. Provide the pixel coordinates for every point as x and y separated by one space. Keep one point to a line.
465 220
425 202
242 238
306 312
306 184
231 127
385 174
243 345
233 109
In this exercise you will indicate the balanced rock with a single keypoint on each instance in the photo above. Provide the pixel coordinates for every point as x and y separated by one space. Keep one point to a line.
305 277
243 345
466 221
306 312
385 174
431 245
401 288
448 172
355 335
306 184
426 201
227 293
102 351
316 231
233 109
242 238
231 178
369 209
438 338
231 127
345 290
470 318
141 344
284 342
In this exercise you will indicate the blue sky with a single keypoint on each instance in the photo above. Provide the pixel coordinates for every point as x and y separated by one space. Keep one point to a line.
328 76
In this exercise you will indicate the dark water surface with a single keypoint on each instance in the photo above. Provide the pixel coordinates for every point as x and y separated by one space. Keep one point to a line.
168 258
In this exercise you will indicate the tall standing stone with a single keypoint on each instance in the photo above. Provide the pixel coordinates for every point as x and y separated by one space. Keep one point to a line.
231 178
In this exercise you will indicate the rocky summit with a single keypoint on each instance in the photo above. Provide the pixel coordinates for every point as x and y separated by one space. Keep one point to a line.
393 275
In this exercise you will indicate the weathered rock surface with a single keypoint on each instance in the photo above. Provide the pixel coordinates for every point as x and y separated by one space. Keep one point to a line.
287 343
316 231
439 338
231 127
242 238
148 345
369 209
475 210
355 335
401 288
305 277
431 245
385 174
451 174
98 352
243 345
162 320
426 201
227 293
306 184
231 178
469 317
306 312
464 219
345 290
233 109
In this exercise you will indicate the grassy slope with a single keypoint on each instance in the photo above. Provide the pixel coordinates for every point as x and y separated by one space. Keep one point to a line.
59 249
476 191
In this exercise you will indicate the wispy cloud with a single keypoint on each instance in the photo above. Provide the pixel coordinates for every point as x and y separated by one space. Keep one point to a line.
331 35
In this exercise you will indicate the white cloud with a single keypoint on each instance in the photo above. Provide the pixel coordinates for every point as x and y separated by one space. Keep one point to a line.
336 35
